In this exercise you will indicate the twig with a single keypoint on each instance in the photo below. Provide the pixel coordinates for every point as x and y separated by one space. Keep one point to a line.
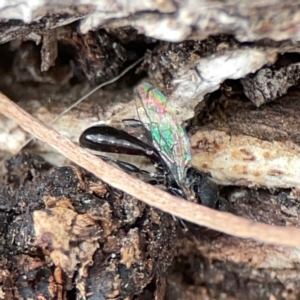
220 221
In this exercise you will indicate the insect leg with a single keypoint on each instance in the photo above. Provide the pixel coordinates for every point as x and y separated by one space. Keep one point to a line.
155 178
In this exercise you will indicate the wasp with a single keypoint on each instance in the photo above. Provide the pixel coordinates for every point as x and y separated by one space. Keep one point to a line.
158 137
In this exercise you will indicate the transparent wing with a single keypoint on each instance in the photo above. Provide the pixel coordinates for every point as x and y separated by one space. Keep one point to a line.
168 137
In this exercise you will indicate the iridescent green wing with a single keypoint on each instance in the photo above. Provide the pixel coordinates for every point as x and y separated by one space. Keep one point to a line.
168 136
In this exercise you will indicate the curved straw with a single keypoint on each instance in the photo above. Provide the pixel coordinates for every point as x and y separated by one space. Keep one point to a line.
198 214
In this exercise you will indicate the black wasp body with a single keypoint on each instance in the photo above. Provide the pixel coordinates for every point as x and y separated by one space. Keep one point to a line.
105 138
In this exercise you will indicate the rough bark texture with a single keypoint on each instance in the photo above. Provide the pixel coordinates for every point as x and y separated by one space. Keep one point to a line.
267 85
165 20
242 145
63 234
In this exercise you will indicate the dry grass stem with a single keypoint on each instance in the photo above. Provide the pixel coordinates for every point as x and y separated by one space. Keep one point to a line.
220 221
